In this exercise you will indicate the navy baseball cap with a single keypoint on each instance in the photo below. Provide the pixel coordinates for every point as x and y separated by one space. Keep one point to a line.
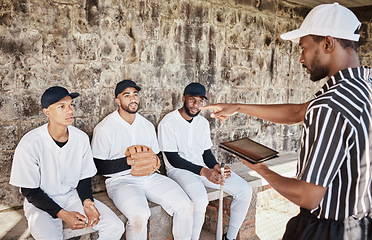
195 89
121 86
55 94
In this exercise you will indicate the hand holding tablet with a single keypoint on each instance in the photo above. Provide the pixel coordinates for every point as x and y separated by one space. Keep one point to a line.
249 150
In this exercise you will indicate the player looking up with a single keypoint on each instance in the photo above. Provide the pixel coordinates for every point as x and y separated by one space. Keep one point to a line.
53 166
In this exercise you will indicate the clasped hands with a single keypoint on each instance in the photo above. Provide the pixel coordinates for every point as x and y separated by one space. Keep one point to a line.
214 174
75 220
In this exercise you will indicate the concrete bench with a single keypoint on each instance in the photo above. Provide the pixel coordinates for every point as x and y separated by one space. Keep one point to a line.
160 223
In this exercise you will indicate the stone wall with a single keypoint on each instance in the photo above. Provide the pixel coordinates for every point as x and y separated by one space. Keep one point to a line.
231 46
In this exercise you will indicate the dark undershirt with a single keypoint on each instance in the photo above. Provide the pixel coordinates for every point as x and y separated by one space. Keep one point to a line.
41 200
113 166
178 162
60 144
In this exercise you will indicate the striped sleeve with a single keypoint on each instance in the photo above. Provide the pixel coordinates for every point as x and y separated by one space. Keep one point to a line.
330 135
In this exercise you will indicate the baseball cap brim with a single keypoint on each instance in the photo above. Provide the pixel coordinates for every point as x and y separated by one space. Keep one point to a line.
294 35
327 20
55 94
121 86
73 95
197 94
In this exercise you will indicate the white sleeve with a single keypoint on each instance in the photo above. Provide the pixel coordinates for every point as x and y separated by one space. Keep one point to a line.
25 170
101 143
154 141
167 137
208 141
88 166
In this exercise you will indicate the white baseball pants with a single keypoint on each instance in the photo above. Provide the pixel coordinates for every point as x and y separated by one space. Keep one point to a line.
44 227
194 185
130 195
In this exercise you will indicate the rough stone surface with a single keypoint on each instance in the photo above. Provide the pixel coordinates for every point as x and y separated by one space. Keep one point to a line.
231 46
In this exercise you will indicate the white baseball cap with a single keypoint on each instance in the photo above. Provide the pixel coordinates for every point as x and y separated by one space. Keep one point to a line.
327 20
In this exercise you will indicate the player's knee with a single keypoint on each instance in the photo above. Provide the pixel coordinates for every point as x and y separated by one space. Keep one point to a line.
200 202
137 223
245 192
185 206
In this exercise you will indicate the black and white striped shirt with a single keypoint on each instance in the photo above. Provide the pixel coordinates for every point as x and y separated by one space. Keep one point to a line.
336 144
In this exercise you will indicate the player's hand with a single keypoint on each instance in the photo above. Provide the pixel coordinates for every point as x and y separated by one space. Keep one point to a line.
212 175
227 170
73 219
91 212
221 111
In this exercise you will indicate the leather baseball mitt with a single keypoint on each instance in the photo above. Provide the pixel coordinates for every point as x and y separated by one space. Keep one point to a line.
142 159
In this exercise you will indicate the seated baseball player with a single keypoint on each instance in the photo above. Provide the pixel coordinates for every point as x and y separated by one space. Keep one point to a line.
184 138
124 148
53 166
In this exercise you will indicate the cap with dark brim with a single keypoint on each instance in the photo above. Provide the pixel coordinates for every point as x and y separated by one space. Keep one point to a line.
55 94
195 89
121 86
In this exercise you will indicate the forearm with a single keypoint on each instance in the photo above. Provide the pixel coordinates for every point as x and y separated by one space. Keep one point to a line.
209 158
303 194
111 166
178 162
277 113
41 200
84 189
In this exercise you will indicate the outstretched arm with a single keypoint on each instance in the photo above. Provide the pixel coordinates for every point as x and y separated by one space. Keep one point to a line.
277 113
304 194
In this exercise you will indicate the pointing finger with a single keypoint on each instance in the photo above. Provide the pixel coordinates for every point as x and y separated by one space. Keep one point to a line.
209 107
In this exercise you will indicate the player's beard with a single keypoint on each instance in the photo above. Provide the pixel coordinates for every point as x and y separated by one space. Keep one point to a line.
317 71
187 110
127 109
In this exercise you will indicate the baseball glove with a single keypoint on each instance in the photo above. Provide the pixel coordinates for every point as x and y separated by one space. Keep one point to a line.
142 159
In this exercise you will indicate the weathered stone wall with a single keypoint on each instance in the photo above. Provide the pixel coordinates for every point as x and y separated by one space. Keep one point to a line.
231 46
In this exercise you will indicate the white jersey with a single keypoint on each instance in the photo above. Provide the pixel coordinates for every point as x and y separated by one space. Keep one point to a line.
113 135
190 140
39 162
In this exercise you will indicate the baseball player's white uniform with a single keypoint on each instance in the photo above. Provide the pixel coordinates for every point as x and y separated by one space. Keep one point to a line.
40 162
190 140
111 137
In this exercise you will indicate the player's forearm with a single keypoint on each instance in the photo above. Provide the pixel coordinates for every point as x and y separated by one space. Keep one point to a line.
84 189
41 200
277 113
209 158
303 194
111 166
178 162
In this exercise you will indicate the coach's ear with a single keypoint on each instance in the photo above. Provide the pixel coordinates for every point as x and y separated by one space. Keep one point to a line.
329 44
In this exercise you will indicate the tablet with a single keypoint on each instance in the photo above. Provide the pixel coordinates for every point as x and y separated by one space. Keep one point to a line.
249 150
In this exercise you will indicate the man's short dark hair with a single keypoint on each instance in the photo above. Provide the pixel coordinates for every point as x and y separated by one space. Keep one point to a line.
343 42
